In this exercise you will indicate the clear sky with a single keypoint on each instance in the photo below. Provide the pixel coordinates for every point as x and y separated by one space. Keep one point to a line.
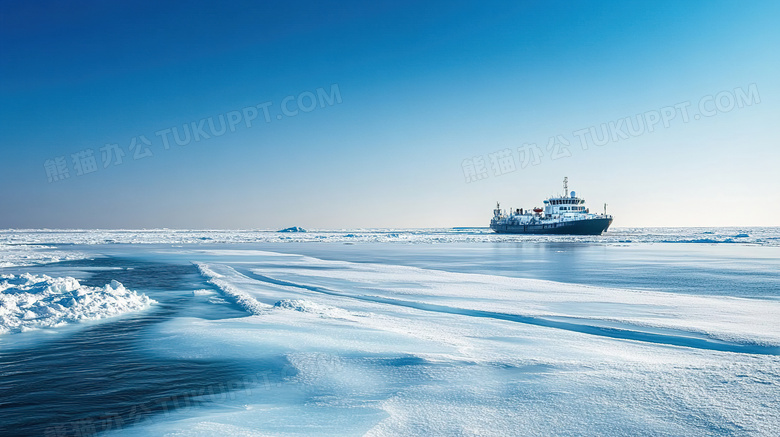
386 114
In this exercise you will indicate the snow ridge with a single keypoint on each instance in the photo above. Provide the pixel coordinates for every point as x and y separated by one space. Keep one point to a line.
242 298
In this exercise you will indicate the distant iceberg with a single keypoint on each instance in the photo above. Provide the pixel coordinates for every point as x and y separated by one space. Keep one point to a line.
292 229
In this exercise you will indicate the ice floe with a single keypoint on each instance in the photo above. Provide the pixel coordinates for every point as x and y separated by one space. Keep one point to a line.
22 255
30 302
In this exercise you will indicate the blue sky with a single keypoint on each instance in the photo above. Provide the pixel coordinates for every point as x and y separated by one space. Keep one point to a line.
423 89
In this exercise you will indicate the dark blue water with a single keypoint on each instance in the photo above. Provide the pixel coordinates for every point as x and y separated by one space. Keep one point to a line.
101 377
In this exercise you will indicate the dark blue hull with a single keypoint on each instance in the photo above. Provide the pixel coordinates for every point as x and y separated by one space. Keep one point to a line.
576 227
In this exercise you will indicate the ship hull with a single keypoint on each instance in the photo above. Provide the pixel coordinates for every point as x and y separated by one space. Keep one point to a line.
575 227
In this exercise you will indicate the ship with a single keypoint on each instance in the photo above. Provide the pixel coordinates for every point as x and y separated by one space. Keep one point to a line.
566 214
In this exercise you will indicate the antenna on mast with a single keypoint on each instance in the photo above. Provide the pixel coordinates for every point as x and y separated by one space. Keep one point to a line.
605 209
566 186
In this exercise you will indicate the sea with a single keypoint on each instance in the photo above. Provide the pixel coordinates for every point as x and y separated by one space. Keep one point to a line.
387 332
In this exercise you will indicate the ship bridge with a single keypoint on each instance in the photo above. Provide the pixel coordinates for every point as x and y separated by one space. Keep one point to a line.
569 203
564 205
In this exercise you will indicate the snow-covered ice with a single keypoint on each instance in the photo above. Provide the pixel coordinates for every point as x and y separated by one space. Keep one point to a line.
20 255
542 302
403 338
410 351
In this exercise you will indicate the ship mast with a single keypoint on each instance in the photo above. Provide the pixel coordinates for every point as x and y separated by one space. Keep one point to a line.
566 186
